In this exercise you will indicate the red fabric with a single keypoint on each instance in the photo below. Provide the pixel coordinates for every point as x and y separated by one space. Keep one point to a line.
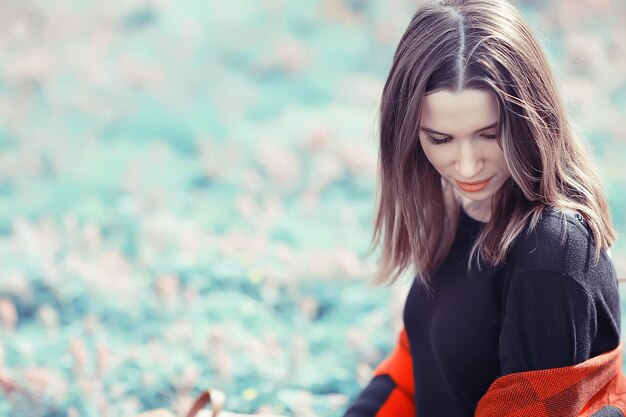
399 366
578 390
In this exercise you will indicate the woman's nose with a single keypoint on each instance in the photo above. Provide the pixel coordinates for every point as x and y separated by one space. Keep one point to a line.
468 162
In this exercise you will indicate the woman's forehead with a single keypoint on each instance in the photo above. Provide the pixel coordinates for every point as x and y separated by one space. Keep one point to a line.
460 112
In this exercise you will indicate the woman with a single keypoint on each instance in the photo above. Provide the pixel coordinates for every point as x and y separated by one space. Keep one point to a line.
487 193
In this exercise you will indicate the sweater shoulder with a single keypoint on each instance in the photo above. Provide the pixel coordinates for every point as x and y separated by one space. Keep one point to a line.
559 242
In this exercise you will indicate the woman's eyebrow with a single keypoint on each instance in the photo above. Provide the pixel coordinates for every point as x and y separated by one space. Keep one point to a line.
435 132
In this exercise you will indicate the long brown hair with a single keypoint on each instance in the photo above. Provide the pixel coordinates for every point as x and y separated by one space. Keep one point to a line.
476 44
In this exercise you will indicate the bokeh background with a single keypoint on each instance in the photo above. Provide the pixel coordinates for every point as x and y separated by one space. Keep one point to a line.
187 193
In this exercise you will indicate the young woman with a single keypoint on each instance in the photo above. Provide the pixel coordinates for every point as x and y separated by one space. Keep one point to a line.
489 196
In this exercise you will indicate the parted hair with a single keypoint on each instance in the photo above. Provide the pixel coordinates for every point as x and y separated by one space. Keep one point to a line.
487 45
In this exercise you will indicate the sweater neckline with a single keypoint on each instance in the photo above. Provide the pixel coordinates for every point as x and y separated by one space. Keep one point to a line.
470 218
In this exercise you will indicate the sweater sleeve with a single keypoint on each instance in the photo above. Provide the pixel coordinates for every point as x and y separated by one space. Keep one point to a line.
390 392
549 321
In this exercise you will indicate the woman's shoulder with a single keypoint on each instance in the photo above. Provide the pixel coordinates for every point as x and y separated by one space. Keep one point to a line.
560 241
557 255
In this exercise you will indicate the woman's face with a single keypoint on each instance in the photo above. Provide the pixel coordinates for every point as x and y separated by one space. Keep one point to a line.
458 133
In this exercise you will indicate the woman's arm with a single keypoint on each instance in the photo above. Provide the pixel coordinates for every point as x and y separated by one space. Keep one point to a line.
549 321
390 392
550 330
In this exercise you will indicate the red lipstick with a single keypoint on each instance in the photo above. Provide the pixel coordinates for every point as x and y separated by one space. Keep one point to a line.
473 187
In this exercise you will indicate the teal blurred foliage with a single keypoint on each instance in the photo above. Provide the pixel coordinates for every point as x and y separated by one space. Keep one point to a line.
187 192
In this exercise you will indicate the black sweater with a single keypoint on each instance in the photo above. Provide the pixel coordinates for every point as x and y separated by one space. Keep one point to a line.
549 305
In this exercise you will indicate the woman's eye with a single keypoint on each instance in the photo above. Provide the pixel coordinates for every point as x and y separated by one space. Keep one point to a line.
436 141
490 136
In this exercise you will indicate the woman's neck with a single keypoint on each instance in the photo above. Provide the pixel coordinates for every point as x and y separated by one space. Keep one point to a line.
477 210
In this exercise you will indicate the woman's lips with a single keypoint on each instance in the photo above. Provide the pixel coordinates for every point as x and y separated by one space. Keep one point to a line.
472 187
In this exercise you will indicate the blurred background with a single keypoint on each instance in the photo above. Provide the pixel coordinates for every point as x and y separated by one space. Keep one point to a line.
187 194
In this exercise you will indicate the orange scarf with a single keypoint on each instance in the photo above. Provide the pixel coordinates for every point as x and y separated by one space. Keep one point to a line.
572 391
